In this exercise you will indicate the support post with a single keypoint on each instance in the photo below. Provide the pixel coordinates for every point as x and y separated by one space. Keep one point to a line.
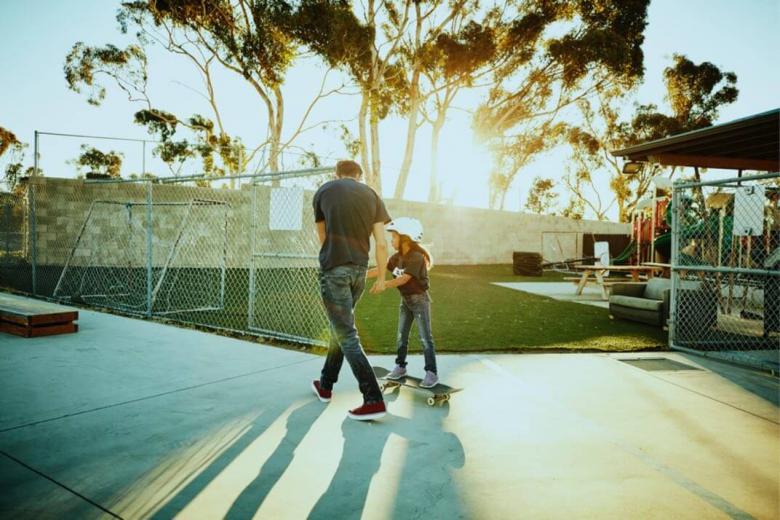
675 263
149 249
252 231
33 230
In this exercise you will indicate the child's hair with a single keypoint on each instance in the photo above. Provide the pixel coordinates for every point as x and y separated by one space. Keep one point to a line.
414 246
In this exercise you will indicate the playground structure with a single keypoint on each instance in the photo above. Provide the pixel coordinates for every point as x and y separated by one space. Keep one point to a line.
650 227
650 235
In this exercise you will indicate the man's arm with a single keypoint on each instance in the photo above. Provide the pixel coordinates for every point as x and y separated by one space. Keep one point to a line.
321 231
380 250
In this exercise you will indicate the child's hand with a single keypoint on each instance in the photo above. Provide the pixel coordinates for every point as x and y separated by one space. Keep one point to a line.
378 287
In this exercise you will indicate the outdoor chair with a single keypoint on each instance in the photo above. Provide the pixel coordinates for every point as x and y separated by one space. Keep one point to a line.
644 302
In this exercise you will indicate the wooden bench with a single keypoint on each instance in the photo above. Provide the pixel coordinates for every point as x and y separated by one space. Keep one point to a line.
33 318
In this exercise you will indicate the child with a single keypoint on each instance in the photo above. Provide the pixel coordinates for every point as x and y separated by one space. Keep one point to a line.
409 267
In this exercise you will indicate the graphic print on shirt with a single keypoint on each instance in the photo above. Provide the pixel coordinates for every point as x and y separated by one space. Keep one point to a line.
398 272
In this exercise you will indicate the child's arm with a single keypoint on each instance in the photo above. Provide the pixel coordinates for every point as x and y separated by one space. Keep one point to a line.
401 280
372 273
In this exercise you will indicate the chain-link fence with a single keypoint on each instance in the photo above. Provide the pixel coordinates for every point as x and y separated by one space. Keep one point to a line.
726 270
13 244
189 249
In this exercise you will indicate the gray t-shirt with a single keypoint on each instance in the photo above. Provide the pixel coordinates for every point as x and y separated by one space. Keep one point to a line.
349 209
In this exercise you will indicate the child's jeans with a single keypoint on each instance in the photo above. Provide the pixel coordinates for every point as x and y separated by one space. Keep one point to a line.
416 307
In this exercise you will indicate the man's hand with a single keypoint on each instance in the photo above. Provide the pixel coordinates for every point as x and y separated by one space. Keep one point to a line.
379 286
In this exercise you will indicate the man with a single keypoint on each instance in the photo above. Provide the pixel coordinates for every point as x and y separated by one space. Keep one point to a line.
347 212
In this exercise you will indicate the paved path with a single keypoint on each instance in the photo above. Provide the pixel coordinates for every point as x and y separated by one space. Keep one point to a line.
562 291
139 419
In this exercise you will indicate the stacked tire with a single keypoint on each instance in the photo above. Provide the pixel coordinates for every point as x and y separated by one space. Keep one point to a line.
526 264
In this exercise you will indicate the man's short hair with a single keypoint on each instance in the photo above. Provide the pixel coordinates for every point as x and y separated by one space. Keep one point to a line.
348 169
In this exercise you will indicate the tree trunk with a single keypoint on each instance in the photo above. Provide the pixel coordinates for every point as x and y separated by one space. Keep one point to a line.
273 153
376 174
621 209
365 158
411 134
698 194
277 121
433 190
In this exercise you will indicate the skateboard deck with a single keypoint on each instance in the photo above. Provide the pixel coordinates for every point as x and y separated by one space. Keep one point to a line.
436 394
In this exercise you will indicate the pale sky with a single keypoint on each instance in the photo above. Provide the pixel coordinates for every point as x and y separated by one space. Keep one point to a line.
738 36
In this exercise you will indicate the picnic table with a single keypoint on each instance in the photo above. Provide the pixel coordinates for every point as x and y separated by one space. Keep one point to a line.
597 272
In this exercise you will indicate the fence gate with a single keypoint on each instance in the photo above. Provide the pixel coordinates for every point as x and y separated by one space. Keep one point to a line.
284 295
726 270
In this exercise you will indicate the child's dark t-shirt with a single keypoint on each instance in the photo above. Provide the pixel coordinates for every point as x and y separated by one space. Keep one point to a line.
413 263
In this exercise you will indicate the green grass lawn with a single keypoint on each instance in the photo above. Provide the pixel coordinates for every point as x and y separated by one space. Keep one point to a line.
470 314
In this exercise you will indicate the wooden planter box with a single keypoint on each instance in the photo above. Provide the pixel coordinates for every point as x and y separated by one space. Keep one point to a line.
32 318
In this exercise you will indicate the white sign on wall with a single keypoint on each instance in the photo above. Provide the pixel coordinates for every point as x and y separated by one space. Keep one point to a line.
749 211
601 251
286 209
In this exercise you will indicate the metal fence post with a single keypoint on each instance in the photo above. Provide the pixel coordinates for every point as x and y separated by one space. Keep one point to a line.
252 232
33 231
675 262
149 249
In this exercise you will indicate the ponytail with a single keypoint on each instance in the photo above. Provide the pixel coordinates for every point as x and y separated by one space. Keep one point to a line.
423 251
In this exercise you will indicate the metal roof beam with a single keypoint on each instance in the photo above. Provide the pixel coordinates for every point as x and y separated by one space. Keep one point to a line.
709 161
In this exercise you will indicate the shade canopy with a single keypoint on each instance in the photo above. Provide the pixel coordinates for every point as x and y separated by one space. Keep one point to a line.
750 143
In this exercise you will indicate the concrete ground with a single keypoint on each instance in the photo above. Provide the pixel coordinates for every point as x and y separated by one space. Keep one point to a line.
136 419
563 291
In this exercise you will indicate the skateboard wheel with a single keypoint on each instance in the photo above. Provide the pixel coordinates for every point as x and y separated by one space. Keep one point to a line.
431 401
382 388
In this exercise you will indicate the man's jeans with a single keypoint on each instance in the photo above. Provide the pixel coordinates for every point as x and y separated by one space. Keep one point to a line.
416 307
341 288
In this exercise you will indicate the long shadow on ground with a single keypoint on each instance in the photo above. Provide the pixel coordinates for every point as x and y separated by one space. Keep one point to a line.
425 483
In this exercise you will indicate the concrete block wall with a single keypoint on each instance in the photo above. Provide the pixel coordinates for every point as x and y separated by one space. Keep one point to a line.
456 235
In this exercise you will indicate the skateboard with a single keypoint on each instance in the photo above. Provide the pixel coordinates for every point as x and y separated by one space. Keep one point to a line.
436 394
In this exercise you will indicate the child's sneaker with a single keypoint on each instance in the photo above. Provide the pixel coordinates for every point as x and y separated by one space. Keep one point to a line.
430 380
322 394
368 412
397 373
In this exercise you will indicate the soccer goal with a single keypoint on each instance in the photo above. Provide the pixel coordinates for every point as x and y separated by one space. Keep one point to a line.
170 264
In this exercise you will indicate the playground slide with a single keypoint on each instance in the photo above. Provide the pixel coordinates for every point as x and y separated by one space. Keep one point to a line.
663 244
626 254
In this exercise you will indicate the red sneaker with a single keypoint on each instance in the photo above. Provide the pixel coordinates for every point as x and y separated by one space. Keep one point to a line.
322 394
368 412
